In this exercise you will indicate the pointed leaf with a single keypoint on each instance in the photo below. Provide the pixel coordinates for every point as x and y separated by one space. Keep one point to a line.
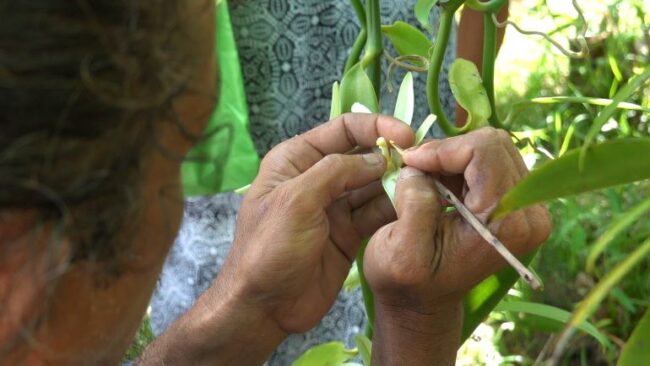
405 104
550 312
352 281
326 354
637 348
617 227
356 87
607 113
422 11
468 89
607 164
407 39
421 133
335 108
364 345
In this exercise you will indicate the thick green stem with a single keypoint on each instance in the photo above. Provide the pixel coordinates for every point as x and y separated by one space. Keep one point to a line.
368 298
360 42
489 58
374 46
435 68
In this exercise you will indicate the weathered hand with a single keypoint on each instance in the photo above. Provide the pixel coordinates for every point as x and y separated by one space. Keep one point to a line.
427 257
304 217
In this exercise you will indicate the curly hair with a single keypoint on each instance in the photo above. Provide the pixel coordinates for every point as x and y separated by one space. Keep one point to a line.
83 86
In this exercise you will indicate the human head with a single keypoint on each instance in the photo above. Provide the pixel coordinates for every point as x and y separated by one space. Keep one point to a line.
99 102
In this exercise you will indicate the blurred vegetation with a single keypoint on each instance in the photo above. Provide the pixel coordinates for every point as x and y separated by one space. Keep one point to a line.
619 40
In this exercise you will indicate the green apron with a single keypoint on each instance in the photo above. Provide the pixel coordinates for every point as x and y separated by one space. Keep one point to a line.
225 159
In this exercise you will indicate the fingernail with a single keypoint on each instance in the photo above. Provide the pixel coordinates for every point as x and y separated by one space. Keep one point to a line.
373 159
409 172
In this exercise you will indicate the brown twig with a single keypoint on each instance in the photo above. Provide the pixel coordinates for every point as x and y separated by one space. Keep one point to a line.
482 230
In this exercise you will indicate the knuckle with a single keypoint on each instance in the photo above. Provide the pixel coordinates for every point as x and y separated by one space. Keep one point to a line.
504 136
333 162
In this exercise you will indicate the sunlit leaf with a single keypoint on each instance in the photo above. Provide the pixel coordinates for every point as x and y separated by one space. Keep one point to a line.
422 11
405 104
590 303
468 89
550 312
407 39
637 348
607 164
335 107
326 354
356 87
616 228
364 345
588 100
608 111
426 125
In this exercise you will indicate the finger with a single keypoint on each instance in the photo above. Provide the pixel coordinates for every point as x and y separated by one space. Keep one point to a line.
514 153
482 159
376 213
335 175
361 196
338 136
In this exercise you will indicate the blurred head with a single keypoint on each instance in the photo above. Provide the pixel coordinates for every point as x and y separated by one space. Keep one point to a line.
99 102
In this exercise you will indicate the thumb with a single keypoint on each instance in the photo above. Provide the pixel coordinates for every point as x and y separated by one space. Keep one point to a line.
403 254
418 208
336 174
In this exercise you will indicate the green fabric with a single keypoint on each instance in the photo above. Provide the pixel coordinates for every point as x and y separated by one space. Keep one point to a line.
226 158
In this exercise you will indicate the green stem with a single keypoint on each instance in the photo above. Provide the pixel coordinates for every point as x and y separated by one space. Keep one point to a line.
357 47
374 47
368 298
435 68
489 58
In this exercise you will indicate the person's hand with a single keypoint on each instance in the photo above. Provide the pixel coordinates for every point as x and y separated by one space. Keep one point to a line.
305 215
420 266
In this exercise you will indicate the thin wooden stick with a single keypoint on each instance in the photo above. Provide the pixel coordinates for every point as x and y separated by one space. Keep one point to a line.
524 272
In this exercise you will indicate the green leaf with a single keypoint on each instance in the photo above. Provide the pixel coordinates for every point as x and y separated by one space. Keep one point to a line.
352 281
617 227
550 312
590 303
637 348
588 100
356 87
389 182
407 39
607 113
468 89
364 345
607 164
326 354
335 108
421 133
405 103
480 301
422 11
